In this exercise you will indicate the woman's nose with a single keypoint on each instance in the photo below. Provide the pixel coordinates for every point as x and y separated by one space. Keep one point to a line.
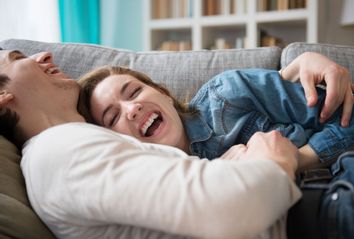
43 57
133 110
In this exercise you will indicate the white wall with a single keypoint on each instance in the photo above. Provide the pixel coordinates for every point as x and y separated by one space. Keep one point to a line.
30 19
39 20
330 29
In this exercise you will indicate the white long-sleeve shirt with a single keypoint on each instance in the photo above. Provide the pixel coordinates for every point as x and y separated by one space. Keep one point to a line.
88 182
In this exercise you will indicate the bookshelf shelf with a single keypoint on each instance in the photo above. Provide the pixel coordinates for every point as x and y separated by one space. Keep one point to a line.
171 23
222 20
211 24
290 15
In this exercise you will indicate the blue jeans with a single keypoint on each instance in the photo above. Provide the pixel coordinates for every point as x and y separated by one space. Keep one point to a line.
337 207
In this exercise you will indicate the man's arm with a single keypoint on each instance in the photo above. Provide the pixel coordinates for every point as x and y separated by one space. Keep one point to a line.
313 69
119 181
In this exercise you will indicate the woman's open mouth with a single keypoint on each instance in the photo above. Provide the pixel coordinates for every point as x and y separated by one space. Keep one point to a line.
151 125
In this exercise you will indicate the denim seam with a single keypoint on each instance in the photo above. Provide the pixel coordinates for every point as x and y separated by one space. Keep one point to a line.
324 153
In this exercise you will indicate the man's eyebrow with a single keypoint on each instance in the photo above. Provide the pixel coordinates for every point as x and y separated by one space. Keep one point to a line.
14 53
105 112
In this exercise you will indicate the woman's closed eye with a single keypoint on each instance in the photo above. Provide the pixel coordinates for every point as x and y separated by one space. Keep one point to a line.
135 92
111 117
113 120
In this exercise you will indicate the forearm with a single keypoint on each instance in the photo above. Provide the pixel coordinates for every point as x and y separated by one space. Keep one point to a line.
197 198
308 158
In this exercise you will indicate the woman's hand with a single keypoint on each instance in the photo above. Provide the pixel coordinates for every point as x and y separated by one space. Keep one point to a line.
313 69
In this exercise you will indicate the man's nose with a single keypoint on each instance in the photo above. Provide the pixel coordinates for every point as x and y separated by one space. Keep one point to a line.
43 57
133 110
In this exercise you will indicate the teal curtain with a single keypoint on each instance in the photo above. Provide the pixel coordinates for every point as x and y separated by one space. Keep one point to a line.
122 24
80 21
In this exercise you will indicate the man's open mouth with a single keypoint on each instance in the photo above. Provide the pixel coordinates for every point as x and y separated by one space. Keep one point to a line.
151 125
52 70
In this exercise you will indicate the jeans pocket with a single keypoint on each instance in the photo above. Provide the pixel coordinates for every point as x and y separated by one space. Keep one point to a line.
337 211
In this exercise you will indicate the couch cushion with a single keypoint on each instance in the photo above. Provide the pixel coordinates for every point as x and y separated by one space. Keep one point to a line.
343 55
17 219
177 70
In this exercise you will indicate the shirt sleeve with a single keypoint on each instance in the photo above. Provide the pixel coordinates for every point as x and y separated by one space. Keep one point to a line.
333 139
116 180
282 106
276 104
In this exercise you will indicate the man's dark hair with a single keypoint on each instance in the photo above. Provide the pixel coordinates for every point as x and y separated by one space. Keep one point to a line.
8 118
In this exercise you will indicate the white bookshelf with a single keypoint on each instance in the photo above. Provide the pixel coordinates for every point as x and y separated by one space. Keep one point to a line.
246 22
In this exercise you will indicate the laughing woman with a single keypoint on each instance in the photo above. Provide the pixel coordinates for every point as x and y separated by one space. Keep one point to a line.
226 111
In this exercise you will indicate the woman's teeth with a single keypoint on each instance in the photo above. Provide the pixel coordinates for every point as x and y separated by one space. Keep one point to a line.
148 123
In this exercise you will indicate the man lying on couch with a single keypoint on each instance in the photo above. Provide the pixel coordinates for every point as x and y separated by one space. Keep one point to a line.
88 182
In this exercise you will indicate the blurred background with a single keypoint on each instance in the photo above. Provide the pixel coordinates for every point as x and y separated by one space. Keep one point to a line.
143 25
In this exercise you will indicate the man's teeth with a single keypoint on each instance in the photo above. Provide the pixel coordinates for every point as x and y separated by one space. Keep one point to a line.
52 70
148 123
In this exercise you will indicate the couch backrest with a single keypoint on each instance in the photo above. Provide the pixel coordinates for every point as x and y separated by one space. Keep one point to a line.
343 55
182 72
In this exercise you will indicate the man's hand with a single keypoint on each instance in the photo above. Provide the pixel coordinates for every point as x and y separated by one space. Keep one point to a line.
235 152
267 146
313 69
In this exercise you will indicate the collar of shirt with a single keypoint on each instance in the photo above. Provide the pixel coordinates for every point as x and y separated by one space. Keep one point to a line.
196 127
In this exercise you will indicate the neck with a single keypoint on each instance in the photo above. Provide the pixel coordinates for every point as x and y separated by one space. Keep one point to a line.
185 144
33 125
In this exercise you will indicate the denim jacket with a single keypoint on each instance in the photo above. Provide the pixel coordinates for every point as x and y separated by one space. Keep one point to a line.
235 104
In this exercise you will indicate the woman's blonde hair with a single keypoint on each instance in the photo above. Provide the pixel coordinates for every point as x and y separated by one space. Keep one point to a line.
89 81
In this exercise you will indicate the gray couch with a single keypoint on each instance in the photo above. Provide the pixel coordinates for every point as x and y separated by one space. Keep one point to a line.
183 72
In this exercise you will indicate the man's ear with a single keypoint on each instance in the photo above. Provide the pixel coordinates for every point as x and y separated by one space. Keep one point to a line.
5 97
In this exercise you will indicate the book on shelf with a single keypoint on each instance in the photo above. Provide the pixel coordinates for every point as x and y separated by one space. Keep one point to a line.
224 7
239 7
223 43
172 45
161 9
240 42
283 5
269 40
279 5
211 7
